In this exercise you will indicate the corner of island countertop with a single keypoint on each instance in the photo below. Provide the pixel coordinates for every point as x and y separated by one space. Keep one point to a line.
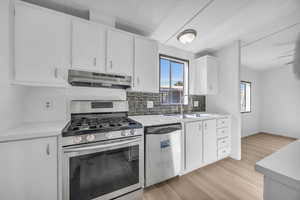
283 165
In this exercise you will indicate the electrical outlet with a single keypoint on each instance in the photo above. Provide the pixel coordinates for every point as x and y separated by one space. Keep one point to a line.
150 104
48 104
196 103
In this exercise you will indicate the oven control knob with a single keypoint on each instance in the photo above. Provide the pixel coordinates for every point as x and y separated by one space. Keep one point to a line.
132 132
77 139
90 138
123 133
109 136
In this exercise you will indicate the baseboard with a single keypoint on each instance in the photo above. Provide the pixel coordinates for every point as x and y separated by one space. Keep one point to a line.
250 134
274 134
279 135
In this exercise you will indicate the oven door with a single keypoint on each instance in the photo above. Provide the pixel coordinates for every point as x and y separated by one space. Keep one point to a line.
103 170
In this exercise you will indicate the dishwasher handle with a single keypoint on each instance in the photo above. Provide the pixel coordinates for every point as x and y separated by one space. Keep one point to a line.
163 129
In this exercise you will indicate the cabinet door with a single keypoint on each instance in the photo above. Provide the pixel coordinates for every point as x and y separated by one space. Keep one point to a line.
119 53
204 76
88 46
212 75
145 66
29 169
209 141
193 145
42 45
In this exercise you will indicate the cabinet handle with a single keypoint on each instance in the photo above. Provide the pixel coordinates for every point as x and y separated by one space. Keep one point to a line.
205 125
138 80
200 127
48 149
95 61
110 64
56 72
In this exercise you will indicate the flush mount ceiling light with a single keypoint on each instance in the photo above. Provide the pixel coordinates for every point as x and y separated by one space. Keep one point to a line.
187 36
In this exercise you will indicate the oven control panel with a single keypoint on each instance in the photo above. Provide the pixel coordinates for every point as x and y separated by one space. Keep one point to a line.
123 133
95 137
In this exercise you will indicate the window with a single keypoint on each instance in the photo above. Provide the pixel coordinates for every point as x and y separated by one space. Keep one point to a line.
173 80
245 88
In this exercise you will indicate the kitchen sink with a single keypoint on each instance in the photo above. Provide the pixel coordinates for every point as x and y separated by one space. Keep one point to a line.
188 116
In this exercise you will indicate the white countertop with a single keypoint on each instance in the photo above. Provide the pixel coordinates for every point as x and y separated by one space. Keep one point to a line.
33 130
283 165
152 120
47 129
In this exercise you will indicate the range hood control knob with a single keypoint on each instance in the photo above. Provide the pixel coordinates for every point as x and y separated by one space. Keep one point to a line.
90 138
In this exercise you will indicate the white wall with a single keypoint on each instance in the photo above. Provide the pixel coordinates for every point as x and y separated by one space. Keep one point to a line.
11 97
35 98
280 102
251 121
228 98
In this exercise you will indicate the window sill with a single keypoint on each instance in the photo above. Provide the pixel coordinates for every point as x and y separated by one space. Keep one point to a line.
173 104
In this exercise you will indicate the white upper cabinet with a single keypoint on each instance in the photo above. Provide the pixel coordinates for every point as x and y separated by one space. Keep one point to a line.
205 76
42 46
88 46
119 52
29 169
145 66
209 141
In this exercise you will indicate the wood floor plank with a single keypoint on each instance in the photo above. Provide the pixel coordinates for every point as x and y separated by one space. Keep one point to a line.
227 179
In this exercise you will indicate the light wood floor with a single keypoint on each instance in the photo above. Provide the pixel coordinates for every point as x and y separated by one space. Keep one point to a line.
227 179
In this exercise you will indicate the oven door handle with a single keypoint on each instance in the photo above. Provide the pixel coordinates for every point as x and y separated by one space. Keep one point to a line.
100 146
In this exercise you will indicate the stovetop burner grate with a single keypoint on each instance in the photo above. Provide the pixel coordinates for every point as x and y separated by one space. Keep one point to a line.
85 125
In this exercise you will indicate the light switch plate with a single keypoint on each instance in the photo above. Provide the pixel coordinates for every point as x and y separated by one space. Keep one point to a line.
150 104
196 103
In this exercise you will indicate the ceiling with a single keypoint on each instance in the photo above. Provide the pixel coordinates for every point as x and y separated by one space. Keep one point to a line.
266 28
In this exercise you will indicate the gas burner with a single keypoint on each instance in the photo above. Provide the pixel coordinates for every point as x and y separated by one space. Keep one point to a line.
88 124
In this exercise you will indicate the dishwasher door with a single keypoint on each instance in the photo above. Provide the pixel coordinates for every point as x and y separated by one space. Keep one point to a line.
163 153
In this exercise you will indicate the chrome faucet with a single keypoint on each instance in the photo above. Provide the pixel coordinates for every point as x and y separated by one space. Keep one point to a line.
181 104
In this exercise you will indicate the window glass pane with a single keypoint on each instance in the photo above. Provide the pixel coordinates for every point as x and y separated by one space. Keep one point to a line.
172 81
164 96
243 103
175 96
177 75
245 90
164 73
248 97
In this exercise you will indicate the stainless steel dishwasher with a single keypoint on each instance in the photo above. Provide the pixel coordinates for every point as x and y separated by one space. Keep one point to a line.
162 152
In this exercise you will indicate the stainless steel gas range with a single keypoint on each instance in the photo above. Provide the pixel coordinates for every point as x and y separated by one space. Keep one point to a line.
103 153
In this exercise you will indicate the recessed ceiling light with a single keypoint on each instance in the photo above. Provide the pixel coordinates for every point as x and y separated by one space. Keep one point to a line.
187 36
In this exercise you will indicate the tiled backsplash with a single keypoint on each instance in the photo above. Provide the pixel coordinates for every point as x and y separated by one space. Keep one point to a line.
138 104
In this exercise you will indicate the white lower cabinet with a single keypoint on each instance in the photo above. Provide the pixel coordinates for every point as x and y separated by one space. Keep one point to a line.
29 169
193 145
205 143
209 141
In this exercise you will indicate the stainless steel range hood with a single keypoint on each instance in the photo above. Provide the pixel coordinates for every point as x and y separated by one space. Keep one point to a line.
94 79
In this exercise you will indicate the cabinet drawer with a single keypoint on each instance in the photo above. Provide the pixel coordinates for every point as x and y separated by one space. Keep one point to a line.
222 123
222 132
223 142
223 152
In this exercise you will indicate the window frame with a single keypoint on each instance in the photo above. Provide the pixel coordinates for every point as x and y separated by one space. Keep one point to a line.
247 82
186 64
